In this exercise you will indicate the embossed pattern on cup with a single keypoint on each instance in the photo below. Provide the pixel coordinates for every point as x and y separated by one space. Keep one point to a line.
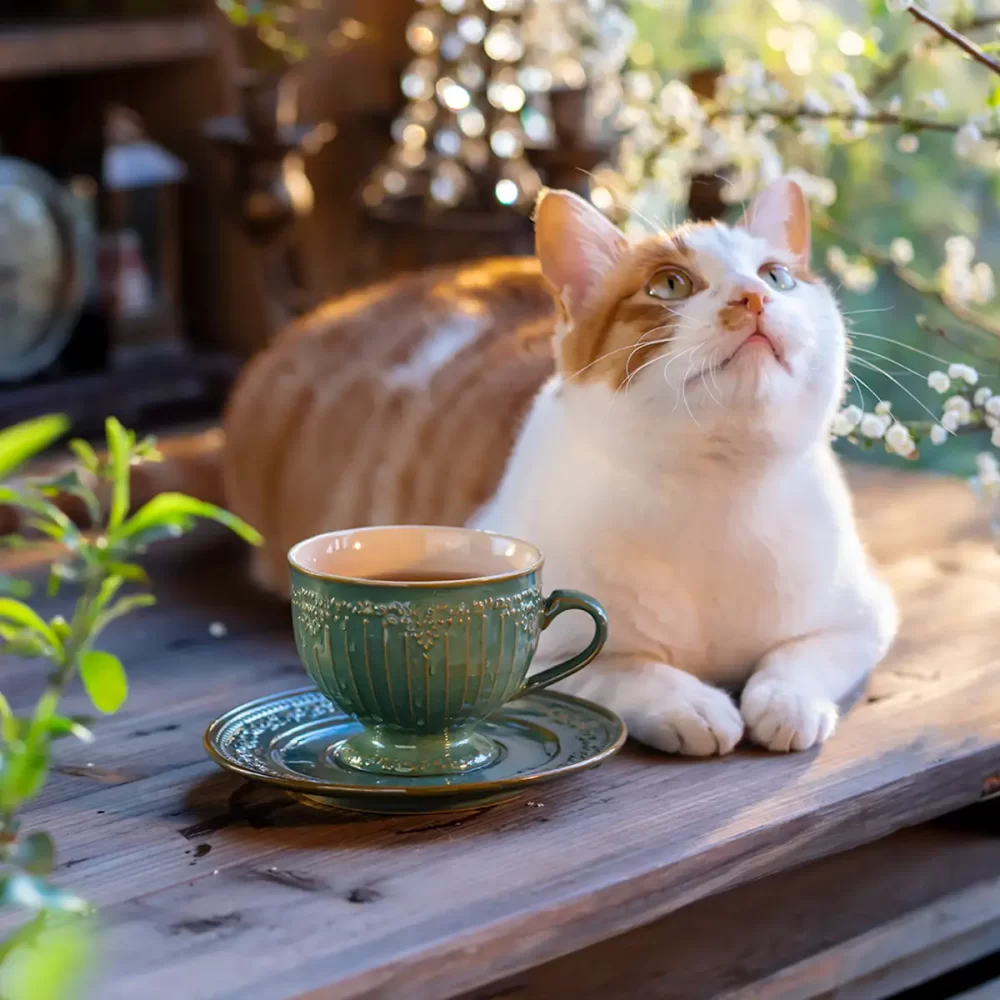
420 660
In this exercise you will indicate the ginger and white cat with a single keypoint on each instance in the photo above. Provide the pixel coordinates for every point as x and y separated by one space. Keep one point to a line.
678 467
670 456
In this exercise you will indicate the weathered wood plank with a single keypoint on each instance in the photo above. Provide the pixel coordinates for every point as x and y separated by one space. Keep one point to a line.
347 906
845 926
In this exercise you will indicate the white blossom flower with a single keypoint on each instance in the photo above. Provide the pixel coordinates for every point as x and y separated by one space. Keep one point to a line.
982 395
950 420
814 103
901 251
908 143
987 466
836 259
983 285
898 440
853 414
860 277
992 406
961 372
935 100
967 138
883 407
895 105
959 249
938 434
841 426
991 422
938 381
958 405
873 426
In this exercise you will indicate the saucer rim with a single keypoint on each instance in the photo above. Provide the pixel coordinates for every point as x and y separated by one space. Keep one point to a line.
405 790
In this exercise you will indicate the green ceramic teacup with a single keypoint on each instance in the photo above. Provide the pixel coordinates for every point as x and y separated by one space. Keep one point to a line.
420 633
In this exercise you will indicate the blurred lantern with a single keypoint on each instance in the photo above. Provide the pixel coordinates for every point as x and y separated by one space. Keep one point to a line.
138 254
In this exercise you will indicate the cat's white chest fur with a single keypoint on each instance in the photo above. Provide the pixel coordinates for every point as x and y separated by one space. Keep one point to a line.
701 566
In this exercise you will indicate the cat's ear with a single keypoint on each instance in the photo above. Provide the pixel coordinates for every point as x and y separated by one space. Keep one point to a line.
780 215
576 246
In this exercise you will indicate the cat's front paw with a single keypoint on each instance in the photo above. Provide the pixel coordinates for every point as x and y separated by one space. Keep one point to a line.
782 716
699 722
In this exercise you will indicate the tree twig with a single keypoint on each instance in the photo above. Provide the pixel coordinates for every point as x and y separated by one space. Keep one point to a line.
950 34
925 286
789 115
902 59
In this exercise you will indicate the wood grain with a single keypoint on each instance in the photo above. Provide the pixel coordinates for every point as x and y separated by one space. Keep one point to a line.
287 902
858 922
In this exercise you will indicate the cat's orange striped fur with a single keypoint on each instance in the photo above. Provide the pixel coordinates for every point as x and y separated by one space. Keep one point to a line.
399 404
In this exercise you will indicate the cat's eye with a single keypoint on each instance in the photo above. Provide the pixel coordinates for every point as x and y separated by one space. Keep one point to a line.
777 276
670 284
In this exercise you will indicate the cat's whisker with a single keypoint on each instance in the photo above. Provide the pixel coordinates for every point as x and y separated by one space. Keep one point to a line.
618 350
913 396
660 357
677 357
641 343
859 382
894 371
707 361
891 361
711 372
625 383
858 312
683 394
898 343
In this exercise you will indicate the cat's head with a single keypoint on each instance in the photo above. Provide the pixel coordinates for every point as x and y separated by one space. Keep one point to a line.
714 326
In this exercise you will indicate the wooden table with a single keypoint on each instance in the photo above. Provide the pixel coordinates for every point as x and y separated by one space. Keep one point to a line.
636 879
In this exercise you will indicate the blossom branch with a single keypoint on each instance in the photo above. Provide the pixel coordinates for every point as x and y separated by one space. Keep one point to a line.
788 116
925 286
901 60
950 34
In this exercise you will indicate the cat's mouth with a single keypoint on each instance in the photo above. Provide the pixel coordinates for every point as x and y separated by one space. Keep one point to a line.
758 340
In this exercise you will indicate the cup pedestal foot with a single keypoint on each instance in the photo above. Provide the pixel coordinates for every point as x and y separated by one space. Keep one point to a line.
385 751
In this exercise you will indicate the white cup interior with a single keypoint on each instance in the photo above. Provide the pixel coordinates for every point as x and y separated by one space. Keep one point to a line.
414 554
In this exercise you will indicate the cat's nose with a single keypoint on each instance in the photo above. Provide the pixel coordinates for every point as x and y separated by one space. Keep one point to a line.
751 299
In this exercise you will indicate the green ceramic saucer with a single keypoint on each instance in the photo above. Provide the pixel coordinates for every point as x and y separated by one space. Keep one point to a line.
290 740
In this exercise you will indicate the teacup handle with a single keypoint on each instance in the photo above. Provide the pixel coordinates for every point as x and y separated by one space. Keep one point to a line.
555 604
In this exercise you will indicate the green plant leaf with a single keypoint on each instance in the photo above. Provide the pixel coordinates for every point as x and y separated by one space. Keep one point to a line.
120 608
11 587
60 725
52 963
9 725
128 571
19 613
23 642
22 441
37 504
24 772
109 587
35 853
70 484
176 509
86 454
119 457
104 678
